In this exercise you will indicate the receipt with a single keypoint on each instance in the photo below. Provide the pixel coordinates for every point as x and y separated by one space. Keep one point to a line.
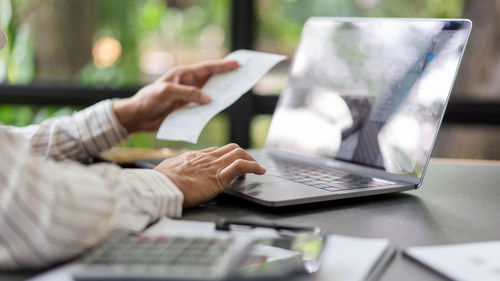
186 123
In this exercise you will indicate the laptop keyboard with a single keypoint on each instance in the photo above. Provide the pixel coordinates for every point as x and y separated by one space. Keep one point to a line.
323 178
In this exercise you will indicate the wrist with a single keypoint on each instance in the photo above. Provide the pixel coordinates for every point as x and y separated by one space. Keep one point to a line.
173 179
159 192
124 112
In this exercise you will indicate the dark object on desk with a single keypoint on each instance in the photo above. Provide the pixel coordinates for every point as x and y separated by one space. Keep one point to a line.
225 225
148 163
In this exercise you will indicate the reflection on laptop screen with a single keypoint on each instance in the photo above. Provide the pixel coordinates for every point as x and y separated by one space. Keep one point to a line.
369 91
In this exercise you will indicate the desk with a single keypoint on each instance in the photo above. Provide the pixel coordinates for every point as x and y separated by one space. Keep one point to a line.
459 202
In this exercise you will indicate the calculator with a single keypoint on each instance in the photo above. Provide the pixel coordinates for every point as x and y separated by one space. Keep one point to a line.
133 257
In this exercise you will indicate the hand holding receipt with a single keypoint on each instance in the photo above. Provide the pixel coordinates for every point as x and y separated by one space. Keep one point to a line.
186 124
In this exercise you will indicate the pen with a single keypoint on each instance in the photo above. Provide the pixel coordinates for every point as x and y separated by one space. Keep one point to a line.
225 225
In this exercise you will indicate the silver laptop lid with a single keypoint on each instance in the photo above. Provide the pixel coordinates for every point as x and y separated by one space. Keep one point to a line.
369 91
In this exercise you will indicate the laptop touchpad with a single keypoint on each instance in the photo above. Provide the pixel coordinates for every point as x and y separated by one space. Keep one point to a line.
270 188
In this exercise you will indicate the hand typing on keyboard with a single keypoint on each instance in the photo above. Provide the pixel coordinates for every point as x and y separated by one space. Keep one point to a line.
202 175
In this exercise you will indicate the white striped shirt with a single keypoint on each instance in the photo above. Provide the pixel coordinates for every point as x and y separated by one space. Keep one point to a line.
53 208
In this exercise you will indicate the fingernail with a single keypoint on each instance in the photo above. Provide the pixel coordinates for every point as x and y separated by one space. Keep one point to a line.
205 99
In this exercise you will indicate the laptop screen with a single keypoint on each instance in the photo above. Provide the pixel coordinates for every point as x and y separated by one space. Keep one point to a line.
369 91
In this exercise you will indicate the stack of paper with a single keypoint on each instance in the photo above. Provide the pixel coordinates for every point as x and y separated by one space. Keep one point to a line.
473 261
353 259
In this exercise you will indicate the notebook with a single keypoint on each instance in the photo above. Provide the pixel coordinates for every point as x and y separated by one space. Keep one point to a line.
471 261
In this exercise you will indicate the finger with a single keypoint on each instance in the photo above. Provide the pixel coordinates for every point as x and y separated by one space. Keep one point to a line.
187 79
239 168
209 149
155 122
185 93
184 75
225 149
172 75
205 69
234 155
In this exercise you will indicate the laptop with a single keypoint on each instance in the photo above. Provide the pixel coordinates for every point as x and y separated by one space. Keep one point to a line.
361 110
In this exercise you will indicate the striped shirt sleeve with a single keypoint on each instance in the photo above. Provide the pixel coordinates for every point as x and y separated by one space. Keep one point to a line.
78 137
53 210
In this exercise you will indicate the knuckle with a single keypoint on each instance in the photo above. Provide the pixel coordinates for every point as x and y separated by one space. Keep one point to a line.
183 71
233 145
212 149
190 154
240 151
239 165
219 179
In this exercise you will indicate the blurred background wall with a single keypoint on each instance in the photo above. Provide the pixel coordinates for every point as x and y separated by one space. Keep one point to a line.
477 80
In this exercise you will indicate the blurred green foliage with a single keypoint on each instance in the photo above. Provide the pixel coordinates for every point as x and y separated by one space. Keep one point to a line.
179 25
280 22
134 22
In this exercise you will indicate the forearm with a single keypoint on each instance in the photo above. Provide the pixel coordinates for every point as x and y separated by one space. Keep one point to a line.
51 211
78 137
